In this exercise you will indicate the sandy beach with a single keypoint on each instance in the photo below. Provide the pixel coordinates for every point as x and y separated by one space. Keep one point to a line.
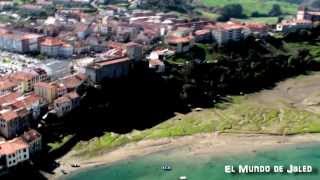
213 144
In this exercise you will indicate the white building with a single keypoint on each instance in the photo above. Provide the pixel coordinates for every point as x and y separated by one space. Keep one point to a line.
180 44
62 106
306 14
13 152
19 41
34 140
55 47
224 33
293 25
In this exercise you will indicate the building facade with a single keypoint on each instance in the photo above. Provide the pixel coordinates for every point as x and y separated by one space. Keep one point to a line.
108 69
13 152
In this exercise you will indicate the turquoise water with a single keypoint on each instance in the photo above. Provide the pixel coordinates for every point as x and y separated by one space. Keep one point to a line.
197 167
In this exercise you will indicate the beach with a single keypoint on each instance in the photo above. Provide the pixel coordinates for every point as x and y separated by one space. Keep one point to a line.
209 144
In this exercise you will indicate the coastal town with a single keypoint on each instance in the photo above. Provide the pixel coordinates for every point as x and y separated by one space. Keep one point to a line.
45 61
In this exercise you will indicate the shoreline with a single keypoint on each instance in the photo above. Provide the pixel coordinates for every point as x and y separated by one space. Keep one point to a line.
206 144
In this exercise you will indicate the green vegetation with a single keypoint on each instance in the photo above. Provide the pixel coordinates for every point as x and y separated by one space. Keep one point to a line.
212 16
207 70
6 19
23 1
251 6
58 144
6 60
231 11
238 115
275 10
209 56
265 20
312 47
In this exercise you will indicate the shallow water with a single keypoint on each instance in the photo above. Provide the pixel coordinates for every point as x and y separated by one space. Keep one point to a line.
207 167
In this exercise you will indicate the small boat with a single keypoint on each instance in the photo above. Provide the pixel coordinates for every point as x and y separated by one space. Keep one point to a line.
75 165
166 168
183 178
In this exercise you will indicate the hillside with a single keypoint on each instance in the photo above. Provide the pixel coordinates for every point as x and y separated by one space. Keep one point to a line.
261 6
253 10
292 107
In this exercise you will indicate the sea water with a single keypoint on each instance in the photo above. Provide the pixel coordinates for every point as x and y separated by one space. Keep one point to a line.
208 167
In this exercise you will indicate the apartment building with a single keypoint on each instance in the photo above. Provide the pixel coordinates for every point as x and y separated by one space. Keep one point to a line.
62 106
111 68
307 14
20 42
13 152
25 80
293 25
34 140
54 47
13 122
7 86
46 90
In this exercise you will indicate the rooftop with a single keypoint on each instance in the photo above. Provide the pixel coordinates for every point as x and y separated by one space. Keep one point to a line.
97 65
62 100
6 84
8 98
48 41
72 95
9 115
177 40
22 76
11 147
72 81
31 135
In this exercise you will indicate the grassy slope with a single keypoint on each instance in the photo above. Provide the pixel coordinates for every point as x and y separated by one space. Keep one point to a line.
313 48
262 6
240 115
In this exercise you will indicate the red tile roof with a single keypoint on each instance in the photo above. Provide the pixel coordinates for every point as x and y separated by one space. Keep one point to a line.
177 40
9 98
202 32
22 76
43 85
52 42
31 135
11 147
31 99
6 84
22 112
118 60
18 105
9 115
72 82
72 95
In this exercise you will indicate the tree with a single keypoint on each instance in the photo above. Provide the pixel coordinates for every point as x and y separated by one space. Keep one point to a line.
275 10
231 11
258 14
